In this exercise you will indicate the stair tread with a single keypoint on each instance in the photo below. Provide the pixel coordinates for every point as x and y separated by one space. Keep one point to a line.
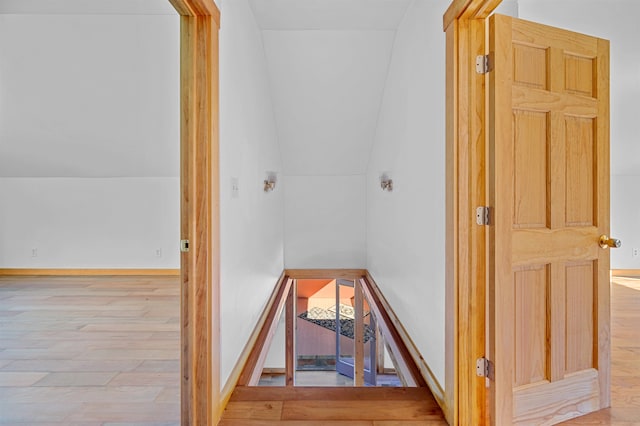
299 393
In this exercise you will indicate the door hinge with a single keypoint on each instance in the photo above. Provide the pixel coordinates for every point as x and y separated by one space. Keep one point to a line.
483 64
484 368
482 215
184 246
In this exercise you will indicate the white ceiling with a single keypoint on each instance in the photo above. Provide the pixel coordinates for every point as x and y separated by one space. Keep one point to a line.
329 14
327 62
327 87
87 7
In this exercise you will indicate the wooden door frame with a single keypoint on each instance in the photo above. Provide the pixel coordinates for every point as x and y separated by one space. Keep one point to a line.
466 247
199 212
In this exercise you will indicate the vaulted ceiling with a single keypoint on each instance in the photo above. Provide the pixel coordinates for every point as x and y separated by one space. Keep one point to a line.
327 62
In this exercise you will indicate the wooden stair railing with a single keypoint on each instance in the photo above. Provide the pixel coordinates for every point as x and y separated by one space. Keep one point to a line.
253 367
405 363
406 368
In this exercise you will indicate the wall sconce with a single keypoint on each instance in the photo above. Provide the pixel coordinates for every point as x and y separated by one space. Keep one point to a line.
270 182
386 183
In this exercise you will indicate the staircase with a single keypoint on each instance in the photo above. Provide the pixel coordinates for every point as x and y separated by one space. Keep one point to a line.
326 406
319 406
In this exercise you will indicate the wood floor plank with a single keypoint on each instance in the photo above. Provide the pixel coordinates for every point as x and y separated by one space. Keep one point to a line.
119 354
79 394
160 366
359 410
145 379
76 379
439 422
625 358
126 413
245 422
609 416
257 393
255 410
78 351
41 318
32 413
10 379
71 365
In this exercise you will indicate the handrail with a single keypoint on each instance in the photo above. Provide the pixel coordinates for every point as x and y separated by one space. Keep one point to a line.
253 368
406 368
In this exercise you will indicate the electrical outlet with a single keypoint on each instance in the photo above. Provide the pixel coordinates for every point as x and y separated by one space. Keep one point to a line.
158 252
635 252
34 252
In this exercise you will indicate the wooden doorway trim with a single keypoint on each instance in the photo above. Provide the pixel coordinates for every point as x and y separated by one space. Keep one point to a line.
199 212
466 242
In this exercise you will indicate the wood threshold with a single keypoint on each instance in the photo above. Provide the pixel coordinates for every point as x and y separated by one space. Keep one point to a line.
304 393
365 406
14 272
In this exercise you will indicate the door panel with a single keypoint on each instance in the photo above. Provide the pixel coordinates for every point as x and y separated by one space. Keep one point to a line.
549 182
531 296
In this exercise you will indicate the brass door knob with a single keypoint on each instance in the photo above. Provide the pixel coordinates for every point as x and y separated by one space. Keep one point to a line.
606 242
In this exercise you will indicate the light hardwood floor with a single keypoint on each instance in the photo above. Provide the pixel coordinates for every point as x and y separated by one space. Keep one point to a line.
89 351
625 357
105 351
313 406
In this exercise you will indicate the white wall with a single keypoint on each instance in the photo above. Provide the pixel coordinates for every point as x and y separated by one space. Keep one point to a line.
89 141
89 222
88 7
405 228
89 96
327 88
98 96
251 223
625 220
617 22
276 357
325 221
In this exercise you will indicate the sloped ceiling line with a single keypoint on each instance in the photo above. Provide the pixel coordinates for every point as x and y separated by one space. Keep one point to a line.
328 62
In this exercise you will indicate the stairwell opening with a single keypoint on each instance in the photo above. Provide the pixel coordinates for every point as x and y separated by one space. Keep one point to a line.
325 340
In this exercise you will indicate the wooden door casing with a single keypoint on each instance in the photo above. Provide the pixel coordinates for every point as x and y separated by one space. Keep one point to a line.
548 317
199 212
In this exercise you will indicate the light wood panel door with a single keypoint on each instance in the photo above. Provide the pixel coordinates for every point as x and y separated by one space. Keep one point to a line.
549 192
